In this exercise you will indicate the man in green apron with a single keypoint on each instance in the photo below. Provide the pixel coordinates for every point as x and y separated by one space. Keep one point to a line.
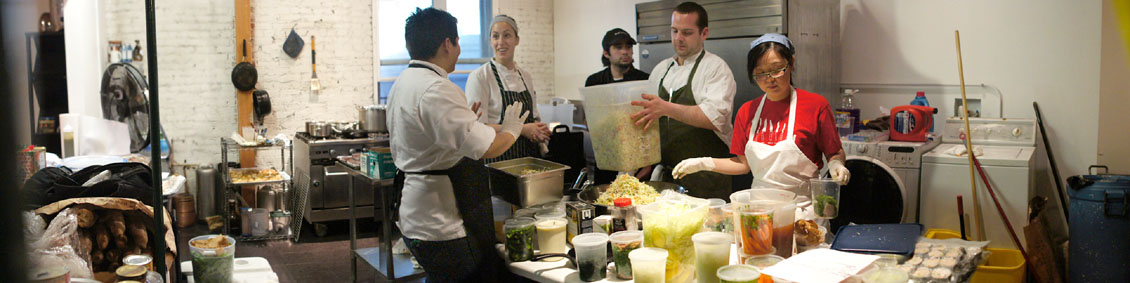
696 94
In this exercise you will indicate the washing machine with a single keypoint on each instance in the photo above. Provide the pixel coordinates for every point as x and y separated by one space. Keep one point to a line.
1010 162
884 182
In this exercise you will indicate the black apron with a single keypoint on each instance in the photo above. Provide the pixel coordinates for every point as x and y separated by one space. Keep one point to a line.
523 147
471 187
679 141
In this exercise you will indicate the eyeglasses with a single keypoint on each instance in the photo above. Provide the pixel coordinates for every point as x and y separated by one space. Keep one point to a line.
771 74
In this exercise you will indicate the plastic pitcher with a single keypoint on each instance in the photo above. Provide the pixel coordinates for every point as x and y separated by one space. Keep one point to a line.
619 145
825 197
670 223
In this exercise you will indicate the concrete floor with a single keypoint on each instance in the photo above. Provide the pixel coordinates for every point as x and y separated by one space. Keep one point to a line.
312 259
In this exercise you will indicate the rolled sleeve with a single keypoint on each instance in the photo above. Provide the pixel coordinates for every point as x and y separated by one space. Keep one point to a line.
452 123
717 97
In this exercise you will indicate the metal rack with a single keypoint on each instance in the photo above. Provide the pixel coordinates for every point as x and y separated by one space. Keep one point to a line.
297 195
394 267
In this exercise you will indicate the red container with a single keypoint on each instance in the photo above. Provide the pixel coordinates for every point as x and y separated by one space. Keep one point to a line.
923 119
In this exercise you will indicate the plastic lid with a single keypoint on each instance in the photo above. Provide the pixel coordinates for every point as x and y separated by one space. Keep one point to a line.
921 93
738 273
716 202
764 261
519 222
590 240
549 214
626 236
709 238
622 202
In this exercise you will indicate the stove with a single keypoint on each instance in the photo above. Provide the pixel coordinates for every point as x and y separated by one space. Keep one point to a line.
327 182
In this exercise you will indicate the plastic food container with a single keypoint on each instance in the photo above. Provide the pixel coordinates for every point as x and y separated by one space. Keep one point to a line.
755 225
649 264
737 273
711 251
519 238
592 260
784 213
763 261
551 235
669 223
619 145
716 218
623 243
212 265
825 197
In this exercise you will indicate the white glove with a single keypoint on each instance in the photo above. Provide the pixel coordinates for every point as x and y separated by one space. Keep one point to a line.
513 118
839 173
692 165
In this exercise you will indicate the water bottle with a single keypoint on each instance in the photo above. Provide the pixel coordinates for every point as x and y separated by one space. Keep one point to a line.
920 100
847 112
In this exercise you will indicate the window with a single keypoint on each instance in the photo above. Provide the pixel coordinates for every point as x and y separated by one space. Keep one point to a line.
473 24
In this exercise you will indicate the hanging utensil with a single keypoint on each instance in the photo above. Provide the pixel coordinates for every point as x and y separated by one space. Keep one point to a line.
244 76
315 85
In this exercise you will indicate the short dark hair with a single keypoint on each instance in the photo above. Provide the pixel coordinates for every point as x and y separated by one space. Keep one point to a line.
604 60
692 7
758 51
425 30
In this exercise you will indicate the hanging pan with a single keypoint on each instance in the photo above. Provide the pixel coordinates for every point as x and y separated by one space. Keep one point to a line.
244 76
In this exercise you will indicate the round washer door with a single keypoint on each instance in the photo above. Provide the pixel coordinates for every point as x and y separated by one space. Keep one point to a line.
875 194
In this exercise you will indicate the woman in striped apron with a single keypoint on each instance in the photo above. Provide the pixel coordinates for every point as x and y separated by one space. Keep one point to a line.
499 83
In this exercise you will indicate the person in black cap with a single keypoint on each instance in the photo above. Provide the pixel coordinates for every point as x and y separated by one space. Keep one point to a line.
618 59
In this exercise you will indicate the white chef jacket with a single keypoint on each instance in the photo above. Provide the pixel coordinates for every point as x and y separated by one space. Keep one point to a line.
482 87
713 88
431 128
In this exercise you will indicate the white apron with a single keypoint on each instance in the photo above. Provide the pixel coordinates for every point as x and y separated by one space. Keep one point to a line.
783 165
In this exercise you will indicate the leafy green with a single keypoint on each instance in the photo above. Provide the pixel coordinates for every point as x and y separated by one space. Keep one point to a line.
826 201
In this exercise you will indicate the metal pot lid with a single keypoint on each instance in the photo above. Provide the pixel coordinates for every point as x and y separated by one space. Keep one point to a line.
374 107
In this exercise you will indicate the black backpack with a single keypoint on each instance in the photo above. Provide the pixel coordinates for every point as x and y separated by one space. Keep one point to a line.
127 180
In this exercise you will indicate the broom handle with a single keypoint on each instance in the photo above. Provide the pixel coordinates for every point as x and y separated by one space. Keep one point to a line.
969 143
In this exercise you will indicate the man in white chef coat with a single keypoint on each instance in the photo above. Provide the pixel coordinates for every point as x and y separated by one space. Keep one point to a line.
437 141
692 109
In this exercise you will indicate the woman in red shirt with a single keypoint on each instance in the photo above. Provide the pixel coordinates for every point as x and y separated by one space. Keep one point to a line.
783 136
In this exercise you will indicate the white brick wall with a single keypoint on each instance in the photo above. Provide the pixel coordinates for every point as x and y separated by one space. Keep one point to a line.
535 52
196 40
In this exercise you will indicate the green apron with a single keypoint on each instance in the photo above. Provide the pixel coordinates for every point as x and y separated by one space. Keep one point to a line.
680 141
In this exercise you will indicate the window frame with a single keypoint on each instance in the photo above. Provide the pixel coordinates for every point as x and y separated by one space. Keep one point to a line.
486 16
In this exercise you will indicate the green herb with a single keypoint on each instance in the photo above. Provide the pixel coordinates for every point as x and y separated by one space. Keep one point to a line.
212 268
620 257
520 243
826 206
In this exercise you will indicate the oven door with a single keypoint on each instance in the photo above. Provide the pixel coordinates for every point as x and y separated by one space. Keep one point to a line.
335 189
875 194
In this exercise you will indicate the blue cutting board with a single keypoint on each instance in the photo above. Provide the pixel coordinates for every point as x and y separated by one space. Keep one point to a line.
878 238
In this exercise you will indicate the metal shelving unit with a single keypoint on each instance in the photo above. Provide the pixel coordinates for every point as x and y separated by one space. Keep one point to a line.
297 195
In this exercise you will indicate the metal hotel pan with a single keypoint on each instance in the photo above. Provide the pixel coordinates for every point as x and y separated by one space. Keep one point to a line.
507 181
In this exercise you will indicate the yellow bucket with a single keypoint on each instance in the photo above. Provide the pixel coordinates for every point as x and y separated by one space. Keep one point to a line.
1003 265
